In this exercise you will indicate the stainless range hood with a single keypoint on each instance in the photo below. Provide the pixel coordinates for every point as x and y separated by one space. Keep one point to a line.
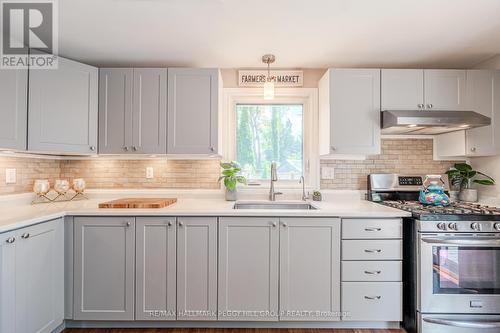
430 122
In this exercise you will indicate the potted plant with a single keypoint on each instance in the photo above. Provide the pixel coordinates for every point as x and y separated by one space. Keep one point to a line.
231 176
461 176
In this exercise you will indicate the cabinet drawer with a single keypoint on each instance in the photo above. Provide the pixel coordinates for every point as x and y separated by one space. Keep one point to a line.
371 228
372 301
371 271
372 249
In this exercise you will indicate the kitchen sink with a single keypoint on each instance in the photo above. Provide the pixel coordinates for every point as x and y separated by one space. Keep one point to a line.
273 205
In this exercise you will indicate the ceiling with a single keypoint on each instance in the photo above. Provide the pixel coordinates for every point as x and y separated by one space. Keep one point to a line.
301 33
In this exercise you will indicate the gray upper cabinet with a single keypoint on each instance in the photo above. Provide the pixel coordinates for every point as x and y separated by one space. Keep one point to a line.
349 107
63 109
444 89
248 268
32 278
402 89
133 111
192 111
115 110
104 268
155 268
197 268
14 108
309 268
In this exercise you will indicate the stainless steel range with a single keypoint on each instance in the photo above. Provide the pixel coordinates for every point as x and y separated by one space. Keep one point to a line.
451 260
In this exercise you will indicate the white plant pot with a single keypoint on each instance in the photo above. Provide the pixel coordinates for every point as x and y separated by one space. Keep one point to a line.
468 194
231 195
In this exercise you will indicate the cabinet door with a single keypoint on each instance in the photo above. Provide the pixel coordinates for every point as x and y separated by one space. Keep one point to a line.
149 111
480 90
63 109
355 111
444 89
13 110
155 268
192 110
8 284
248 268
115 110
40 267
104 268
197 268
310 268
402 89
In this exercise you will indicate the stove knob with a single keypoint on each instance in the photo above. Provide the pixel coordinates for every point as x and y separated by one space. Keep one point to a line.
497 226
452 226
475 226
441 226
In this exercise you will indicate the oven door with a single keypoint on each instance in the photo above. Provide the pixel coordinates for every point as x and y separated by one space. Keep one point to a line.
459 274
436 323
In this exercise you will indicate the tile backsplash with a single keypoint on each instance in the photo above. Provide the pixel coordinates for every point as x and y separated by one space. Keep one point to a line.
410 156
398 155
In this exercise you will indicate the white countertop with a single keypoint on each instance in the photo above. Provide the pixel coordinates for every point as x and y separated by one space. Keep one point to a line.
17 212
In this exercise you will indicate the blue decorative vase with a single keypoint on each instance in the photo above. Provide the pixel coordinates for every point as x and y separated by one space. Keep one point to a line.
433 194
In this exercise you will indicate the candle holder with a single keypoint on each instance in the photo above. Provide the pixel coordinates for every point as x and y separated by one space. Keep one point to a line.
61 191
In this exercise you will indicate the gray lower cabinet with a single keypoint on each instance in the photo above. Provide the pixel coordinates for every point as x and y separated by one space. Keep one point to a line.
32 278
133 111
104 268
14 108
192 110
62 109
248 268
309 269
197 268
155 268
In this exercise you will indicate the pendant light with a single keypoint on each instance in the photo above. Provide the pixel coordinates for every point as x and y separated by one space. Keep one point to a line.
269 84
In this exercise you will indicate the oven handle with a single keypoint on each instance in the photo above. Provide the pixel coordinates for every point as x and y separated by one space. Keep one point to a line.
463 323
462 241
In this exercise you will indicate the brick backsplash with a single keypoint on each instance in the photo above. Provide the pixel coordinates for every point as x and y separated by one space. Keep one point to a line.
398 155
410 156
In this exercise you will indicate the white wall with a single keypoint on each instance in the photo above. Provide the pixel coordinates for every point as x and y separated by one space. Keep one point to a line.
489 165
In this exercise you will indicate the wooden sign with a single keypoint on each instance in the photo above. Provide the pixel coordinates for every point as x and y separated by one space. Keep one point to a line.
281 78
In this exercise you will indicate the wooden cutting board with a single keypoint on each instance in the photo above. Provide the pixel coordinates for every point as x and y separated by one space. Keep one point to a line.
138 203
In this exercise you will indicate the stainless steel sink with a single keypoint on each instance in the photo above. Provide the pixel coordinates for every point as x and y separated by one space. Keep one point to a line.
273 205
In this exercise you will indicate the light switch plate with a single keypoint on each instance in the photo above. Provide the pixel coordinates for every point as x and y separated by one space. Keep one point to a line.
327 173
10 176
149 173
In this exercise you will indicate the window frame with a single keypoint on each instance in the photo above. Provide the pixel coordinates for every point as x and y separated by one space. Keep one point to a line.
307 97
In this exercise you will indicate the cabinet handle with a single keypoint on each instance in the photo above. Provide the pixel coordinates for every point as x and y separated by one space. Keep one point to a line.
125 148
429 106
373 250
212 149
25 235
420 106
473 149
134 148
373 229
373 272
373 297
181 224
128 224
11 240
333 148
92 148
285 225
274 224
169 223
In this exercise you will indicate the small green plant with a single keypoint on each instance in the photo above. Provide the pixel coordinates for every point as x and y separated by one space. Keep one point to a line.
462 176
317 193
231 175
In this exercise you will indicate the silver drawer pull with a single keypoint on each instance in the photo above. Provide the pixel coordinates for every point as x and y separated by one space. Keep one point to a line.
373 250
373 272
373 297
11 240
25 235
373 229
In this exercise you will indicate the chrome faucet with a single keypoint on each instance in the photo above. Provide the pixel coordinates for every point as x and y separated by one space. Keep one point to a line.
274 178
303 182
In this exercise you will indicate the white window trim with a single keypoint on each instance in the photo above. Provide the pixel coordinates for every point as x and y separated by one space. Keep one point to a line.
308 97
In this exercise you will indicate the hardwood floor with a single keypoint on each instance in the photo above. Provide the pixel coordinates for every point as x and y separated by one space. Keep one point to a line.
225 330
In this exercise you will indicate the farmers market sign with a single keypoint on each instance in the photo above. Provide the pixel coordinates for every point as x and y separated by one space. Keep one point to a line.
281 78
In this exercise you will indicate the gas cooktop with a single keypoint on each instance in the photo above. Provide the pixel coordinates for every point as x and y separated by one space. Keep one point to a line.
456 211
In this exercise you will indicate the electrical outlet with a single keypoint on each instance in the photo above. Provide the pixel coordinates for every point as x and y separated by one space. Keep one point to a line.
327 173
149 173
10 176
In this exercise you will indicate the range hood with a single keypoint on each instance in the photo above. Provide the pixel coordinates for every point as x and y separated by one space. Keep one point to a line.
430 122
